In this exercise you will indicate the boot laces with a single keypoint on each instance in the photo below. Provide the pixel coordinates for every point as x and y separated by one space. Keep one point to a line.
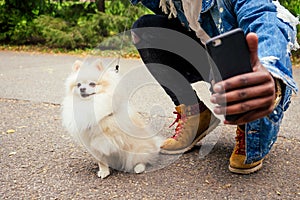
180 120
240 142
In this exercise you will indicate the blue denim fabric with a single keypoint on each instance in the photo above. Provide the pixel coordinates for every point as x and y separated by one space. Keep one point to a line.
274 36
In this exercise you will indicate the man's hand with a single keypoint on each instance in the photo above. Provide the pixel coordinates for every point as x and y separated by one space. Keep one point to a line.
254 92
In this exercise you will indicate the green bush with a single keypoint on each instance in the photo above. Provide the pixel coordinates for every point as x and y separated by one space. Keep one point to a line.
55 31
68 25
88 32
16 20
294 7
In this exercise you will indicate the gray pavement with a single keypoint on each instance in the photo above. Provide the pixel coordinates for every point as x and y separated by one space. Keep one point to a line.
39 160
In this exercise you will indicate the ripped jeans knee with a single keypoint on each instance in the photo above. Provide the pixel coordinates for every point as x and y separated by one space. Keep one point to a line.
135 38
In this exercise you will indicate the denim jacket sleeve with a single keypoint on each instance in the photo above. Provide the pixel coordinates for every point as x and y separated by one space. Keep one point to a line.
262 18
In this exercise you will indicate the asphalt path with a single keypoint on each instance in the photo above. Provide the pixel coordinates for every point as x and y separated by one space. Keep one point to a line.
39 160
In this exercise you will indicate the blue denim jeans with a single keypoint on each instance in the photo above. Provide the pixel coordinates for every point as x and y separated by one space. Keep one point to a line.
276 39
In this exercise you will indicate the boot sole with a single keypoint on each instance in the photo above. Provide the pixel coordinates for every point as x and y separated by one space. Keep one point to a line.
211 127
245 171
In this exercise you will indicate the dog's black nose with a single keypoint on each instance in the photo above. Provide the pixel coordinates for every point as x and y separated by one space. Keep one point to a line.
82 89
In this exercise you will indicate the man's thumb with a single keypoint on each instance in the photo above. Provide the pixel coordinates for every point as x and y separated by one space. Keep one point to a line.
252 41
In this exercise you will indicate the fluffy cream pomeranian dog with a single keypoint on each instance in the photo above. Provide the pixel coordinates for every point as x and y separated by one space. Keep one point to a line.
91 117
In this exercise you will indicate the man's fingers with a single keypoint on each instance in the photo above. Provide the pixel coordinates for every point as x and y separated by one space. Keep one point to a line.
245 106
257 91
244 80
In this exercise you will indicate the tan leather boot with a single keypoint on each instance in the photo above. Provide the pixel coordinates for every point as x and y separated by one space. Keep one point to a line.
193 123
238 156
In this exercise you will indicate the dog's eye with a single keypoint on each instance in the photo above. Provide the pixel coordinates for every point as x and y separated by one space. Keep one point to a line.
78 84
92 84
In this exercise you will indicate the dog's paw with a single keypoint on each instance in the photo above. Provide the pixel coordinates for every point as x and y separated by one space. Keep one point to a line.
103 170
139 168
103 173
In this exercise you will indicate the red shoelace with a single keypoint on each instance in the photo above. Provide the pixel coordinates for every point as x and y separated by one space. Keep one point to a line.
240 142
180 119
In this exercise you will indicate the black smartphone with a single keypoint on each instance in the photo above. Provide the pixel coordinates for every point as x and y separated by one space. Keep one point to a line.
229 56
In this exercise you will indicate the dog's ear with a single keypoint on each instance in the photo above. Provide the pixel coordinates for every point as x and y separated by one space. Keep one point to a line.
76 65
99 65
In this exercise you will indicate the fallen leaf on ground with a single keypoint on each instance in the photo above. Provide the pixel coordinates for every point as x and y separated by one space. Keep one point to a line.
12 153
22 127
9 131
226 186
